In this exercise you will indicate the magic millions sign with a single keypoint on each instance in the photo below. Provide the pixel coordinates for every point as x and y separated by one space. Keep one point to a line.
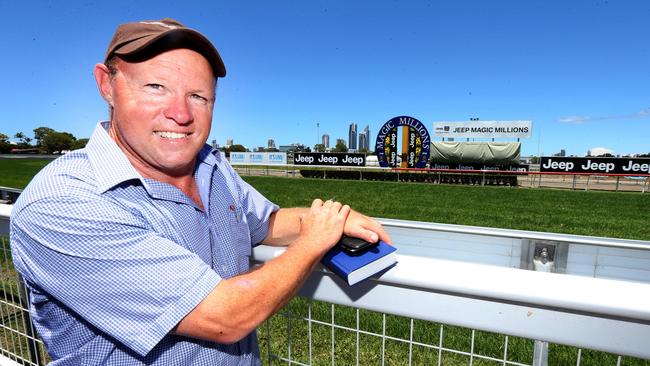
416 143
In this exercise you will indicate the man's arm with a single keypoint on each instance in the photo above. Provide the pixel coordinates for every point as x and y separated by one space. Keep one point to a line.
236 306
284 227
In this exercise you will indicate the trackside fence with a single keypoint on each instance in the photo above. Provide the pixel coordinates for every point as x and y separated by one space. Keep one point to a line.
530 179
458 296
487 302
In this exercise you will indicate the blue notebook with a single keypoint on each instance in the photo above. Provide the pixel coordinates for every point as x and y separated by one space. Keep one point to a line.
356 268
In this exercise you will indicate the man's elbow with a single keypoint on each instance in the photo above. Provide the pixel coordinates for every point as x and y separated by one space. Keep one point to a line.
217 331
232 336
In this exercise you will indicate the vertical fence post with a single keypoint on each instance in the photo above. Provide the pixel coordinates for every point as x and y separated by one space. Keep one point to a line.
23 300
540 353
618 179
573 186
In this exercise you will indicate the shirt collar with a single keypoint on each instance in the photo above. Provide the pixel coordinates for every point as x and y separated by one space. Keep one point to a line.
112 167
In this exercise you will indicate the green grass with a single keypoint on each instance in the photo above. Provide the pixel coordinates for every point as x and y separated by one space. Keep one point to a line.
290 329
596 213
17 172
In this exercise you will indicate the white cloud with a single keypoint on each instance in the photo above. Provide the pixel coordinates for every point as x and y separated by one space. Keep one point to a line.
576 120
595 151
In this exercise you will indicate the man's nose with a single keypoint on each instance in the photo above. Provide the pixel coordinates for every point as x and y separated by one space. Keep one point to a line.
179 110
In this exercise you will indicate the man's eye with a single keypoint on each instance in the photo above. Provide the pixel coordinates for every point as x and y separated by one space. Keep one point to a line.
155 86
200 98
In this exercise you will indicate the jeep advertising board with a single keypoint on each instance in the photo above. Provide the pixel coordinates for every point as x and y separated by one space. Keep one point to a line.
334 159
631 166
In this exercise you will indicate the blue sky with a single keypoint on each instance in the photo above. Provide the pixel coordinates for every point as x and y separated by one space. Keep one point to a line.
580 70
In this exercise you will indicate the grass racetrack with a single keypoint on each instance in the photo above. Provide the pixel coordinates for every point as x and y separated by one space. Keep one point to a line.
595 213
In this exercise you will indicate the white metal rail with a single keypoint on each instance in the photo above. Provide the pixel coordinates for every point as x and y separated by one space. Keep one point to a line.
545 306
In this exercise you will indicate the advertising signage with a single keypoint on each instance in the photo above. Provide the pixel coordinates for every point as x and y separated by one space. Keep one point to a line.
484 129
631 166
335 159
479 166
416 143
255 158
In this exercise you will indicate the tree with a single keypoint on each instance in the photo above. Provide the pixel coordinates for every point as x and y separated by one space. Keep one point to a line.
319 148
340 147
79 144
234 148
40 133
5 146
237 148
55 142
24 140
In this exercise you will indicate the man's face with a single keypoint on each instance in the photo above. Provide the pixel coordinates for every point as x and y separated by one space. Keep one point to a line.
162 111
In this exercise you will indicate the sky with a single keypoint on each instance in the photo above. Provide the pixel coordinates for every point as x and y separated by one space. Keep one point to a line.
579 70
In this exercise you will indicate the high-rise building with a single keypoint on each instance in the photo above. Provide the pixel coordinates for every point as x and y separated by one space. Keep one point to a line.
341 141
352 136
363 141
326 141
366 131
270 144
229 142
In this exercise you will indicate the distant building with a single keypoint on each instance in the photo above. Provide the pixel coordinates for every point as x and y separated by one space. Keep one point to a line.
341 141
229 142
326 141
352 136
363 141
368 137
270 144
293 147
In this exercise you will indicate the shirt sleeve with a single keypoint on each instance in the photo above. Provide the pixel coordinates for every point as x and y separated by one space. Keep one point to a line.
105 264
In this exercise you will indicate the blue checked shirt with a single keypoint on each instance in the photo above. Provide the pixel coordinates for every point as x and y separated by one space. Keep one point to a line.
113 261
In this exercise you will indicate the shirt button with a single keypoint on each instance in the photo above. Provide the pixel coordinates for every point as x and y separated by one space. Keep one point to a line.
224 268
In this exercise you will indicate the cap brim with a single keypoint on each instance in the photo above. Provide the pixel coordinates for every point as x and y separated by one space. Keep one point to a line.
175 38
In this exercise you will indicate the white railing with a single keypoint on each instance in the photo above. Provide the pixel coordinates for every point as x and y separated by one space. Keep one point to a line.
484 292
551 307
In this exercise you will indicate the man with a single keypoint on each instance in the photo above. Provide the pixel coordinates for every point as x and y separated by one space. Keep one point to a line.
136 248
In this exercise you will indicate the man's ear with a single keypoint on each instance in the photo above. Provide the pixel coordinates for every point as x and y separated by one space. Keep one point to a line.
103 79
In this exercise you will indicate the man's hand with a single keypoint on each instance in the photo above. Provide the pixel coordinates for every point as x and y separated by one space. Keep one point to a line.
366 228
322 225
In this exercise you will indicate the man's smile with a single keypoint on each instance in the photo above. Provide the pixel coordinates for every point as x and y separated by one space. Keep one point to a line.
171 135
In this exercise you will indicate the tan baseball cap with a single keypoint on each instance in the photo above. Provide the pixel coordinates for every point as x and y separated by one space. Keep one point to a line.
148 38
